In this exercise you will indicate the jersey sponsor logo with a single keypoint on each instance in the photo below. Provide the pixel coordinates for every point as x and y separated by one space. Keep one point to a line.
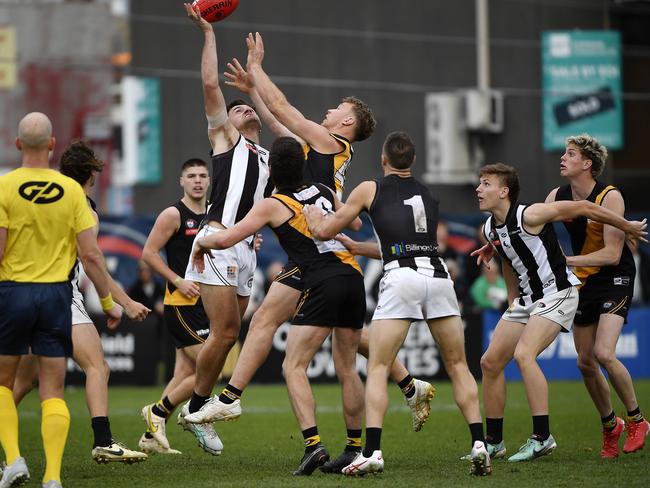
399 248
191 227
549 283
231 271
514 232
622 280
41 192
494 238
609 304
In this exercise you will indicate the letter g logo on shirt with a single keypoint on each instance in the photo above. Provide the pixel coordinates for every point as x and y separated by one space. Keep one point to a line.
41 191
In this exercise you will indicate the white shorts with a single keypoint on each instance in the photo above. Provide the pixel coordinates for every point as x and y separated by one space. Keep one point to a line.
559 307
79 313
406 294
234 266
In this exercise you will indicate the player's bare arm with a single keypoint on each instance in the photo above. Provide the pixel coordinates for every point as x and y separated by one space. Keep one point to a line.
369 249
613 238
310 132
539 214
166 225
93 262
326 227
134 310
237 77
268 211
221 132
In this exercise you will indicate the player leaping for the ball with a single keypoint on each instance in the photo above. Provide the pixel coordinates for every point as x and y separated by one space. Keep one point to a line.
239 179
329 153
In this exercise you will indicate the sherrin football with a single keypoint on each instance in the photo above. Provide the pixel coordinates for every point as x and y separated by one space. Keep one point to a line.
215 10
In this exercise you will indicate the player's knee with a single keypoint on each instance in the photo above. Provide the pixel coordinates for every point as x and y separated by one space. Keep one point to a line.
605 357
588 365
524 356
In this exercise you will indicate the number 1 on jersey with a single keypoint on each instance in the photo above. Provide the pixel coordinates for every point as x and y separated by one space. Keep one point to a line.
419 214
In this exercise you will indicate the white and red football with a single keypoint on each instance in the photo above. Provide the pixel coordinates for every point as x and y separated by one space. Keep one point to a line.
215 10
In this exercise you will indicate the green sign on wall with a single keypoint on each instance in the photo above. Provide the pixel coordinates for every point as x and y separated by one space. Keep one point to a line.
582 87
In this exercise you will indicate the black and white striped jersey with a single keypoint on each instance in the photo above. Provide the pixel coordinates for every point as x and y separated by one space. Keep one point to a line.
239 180
405 217
537 260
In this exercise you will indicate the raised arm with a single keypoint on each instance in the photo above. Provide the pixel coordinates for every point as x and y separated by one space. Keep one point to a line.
310 132
326 227
221 132
164 228
539 214
238 78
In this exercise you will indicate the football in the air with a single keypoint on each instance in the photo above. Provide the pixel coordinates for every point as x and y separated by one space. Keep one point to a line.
215 10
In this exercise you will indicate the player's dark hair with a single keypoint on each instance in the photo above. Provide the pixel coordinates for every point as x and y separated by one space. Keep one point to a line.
286 161
507 177
190 163
239 101
79 162
399 149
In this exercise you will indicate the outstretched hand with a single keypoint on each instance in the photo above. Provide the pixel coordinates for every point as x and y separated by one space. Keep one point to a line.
485 254
136 311
194 13
238 77
637 231
255 46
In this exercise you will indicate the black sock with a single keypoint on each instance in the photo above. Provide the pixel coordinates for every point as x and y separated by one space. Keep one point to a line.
229 394
102 431
541 427
373 441
160 408
353 442
312 439
609 422
493 430
147 435
635 415
166 402
197 402
407 385
476 430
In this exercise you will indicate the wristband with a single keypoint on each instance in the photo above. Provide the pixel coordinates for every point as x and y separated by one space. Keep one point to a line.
177 280
106 302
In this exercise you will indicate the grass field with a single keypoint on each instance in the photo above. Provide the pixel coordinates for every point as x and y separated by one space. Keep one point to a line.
265 445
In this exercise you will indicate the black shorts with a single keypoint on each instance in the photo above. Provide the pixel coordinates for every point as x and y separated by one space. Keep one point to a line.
36 315
339 301
188 324
602 300
290 276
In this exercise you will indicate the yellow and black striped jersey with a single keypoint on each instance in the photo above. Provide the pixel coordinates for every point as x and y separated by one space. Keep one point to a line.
328 169
317 260
587 237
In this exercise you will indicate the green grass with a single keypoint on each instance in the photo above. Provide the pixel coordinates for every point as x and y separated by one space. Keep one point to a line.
265 444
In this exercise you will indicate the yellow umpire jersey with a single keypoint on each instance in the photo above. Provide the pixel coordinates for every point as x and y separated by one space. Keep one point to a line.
43 211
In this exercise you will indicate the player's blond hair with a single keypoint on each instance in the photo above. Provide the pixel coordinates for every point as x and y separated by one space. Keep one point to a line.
590 148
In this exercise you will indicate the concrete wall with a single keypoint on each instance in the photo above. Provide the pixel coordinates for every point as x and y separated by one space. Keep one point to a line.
63 69
390 54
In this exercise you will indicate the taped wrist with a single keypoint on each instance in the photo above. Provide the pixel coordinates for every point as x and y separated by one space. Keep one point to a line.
216 121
